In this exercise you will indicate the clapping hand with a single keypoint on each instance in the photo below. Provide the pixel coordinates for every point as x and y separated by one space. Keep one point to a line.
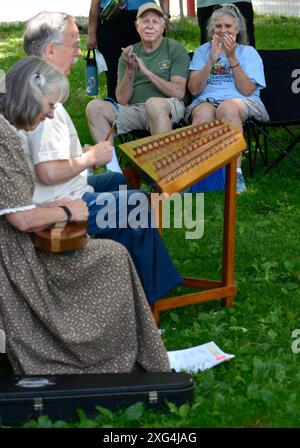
141 66
229 44
216 48
129 57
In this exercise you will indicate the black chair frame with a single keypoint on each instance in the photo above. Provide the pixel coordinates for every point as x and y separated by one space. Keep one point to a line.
282 102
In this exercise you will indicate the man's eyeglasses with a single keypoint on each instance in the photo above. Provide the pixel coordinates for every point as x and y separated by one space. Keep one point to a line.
75 46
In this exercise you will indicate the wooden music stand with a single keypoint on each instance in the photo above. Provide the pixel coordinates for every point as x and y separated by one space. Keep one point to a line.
225 288
199 150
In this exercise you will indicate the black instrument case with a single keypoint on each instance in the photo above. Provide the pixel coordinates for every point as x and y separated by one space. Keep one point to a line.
59 396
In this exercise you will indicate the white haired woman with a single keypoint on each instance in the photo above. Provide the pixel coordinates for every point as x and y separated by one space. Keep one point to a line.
81 314
226 76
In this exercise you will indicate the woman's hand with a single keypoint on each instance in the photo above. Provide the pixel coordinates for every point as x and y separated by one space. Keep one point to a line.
79 210
40 218
50 204
77 207
216 48
229 45
91 41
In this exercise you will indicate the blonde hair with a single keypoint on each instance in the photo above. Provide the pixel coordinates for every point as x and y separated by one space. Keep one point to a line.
232 10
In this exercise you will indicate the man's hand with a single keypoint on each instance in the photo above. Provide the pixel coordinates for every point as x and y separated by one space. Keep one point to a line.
129 58
141 66
101 153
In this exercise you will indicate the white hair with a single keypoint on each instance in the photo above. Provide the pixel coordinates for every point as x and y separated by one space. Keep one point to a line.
42 29
27 83
232 10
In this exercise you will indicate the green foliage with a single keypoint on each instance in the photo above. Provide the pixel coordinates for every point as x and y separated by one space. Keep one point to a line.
271 32
260 386
277 32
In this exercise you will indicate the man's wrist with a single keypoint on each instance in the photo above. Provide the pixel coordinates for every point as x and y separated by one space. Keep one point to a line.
167 14
129 73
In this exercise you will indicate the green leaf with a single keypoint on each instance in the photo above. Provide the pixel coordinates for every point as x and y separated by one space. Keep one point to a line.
44 422
81 414
291 286
219 398
88 423
105 412
272 334
237 328
252 391
289 266
267 396
173 408
258 363
255 267
184 410
135 411
280 375
198 403
174 316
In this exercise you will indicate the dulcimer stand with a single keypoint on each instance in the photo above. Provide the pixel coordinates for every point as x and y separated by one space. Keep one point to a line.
176 160
225 288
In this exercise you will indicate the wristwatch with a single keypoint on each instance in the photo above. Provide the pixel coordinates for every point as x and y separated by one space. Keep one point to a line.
67 212
167 14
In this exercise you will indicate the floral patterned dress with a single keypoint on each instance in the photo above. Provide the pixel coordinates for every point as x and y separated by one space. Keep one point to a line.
85 313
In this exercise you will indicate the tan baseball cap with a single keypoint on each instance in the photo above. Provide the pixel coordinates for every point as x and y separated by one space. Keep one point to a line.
150 6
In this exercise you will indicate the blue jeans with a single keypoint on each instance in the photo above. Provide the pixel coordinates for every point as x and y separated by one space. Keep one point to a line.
213 182
107 181
152 261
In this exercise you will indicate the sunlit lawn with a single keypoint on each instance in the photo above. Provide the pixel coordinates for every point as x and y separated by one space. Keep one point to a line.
260 386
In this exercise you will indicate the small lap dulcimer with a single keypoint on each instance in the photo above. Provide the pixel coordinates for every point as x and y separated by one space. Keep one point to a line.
62 237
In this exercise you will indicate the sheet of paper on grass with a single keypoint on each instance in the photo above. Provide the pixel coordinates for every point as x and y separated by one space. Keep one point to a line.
201 357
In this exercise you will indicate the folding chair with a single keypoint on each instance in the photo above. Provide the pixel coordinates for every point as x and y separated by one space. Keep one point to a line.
282 100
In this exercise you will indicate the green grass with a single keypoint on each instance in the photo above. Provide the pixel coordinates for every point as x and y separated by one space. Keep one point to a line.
260 386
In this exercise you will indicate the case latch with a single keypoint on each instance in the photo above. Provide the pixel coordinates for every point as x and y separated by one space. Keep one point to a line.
38 404
153 396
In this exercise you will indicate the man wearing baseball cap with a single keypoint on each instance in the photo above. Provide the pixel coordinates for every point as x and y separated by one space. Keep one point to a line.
112 26
150 6
152 77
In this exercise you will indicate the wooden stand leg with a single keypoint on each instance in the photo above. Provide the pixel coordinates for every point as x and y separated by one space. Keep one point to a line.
155 312
229 229
157 203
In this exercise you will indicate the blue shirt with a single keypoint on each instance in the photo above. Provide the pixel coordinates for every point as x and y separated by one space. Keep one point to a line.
131 4
220 84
